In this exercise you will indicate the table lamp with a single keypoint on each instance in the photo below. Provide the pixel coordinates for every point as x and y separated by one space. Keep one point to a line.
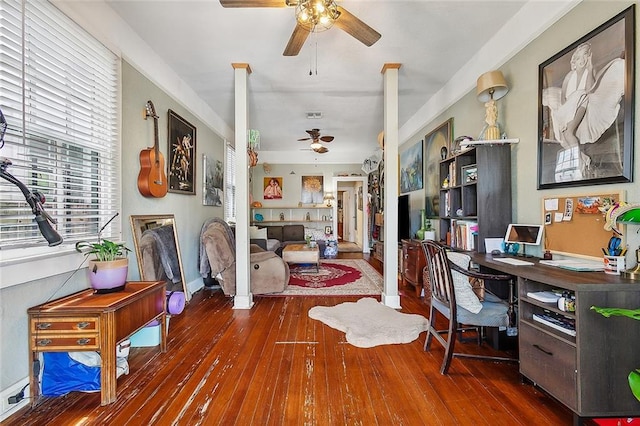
491 86
329 196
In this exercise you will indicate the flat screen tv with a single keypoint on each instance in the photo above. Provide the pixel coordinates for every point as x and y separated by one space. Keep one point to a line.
404 220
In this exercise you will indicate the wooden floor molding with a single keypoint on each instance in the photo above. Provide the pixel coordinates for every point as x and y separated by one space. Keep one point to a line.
273 365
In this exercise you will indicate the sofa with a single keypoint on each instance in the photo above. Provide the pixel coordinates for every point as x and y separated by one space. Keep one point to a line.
276 237
269 273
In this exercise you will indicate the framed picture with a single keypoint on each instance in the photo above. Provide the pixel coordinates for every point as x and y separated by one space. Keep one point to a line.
327 230
272 188
585 108
312 190
469 174
182 151
434 141
411 169
212 181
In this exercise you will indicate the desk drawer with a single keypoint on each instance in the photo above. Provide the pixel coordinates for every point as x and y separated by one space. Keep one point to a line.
64 342
550 363
55 325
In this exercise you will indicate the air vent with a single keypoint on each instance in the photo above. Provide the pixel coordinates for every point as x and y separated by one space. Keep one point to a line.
314 115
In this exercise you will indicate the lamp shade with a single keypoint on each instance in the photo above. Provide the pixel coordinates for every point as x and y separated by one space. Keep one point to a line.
329 196
491 83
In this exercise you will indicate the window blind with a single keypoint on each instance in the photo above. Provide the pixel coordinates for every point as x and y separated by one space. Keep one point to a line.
59 94
230 184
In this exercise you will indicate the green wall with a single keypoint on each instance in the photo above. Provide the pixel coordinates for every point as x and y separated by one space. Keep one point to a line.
518 112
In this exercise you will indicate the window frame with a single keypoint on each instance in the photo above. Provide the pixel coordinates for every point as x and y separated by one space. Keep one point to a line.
31 261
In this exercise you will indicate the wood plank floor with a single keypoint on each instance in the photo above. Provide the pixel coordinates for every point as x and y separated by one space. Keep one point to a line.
273 365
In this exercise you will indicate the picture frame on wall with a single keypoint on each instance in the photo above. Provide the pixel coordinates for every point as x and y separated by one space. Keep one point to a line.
434 142
585 108
272 188
312 191
212 181
182 151
411 163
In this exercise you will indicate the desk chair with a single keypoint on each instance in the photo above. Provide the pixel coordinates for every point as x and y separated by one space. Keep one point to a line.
450 285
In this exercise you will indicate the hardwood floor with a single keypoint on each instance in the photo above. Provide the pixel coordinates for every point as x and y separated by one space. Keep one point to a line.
273 365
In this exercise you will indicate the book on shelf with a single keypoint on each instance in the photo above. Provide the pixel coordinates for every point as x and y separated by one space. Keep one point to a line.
557 322
452 174
463 233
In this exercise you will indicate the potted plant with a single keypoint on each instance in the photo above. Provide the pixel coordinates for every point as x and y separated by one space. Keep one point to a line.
634 376
108 270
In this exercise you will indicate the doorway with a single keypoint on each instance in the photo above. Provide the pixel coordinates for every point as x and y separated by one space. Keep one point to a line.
351 222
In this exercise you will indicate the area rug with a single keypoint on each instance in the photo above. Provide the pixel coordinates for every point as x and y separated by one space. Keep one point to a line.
349 247
367 322
326 275
337 277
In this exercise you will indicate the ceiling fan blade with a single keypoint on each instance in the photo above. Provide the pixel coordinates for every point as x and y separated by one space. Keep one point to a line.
305 139
253 3
356 28
326 138
296 41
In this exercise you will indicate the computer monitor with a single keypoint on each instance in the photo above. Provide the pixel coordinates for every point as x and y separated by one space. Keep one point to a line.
523 234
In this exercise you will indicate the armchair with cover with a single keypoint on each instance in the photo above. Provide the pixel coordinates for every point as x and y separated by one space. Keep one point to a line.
269 273
453 296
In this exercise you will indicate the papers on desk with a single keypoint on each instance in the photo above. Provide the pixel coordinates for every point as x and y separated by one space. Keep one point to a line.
575 265
510 261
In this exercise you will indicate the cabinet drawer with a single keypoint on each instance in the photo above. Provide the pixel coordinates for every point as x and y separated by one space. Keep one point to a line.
550 363
82 325
66 343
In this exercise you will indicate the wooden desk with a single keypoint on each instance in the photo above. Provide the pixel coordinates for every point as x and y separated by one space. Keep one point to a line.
586 372
86 321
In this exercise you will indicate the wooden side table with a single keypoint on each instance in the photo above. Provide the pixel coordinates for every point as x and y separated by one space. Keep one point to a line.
87 321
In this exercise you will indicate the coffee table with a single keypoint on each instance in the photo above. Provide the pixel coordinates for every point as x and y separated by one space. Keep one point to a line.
301 253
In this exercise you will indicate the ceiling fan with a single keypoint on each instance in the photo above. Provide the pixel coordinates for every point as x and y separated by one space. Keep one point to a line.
341 18
316 139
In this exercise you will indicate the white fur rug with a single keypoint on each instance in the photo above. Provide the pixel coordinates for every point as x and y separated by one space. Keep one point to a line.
367 322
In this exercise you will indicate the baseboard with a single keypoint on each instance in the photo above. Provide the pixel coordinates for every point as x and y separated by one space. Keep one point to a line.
10 409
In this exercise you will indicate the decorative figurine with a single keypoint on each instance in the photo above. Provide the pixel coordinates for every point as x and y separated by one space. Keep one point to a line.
443 153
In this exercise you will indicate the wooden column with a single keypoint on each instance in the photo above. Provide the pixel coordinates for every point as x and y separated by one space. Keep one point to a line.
390 295
243 298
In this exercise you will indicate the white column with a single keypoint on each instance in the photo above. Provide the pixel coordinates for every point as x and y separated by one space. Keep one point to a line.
243 298
390 295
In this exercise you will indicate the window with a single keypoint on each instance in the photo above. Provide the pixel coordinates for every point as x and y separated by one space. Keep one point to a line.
230 184
59 95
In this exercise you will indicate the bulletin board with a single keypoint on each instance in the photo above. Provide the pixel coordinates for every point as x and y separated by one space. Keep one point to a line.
583 234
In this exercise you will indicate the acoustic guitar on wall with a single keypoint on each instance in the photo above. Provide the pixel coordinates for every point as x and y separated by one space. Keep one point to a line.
152 179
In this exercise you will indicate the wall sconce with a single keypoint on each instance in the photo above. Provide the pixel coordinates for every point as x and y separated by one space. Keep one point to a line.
491 86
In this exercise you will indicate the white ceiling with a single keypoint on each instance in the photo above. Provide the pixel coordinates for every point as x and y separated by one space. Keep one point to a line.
432 40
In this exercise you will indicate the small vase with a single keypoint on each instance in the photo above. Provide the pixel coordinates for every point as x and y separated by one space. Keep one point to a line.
423 224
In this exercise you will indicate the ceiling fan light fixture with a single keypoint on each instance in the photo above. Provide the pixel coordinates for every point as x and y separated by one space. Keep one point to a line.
315 145
317 15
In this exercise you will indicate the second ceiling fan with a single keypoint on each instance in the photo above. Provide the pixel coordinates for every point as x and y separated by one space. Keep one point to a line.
316 139
310 17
